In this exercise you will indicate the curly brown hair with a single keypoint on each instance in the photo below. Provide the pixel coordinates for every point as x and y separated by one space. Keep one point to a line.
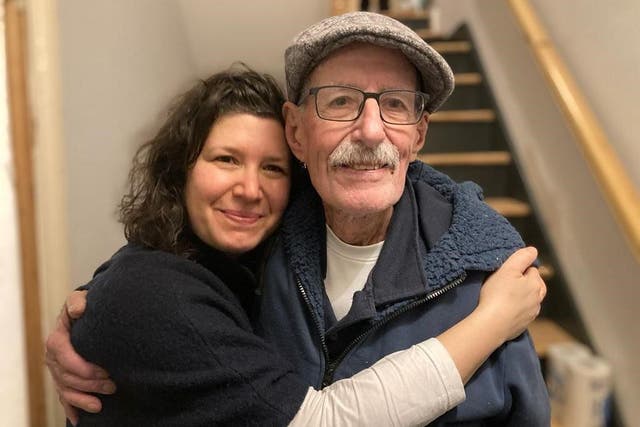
153 211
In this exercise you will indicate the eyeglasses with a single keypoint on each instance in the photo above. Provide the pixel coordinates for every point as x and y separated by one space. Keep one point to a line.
345 104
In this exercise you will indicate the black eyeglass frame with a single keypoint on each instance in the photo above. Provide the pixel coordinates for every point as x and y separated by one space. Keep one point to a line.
375 95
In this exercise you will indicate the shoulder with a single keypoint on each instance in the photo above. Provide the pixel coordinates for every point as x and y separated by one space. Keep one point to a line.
157 300
140 290
136 270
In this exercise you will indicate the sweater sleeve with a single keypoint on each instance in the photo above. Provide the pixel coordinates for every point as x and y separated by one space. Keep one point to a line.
406 388
180 349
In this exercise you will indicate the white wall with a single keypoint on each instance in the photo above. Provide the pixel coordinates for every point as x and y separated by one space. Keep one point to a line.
256 32
599 43
602 274
121 61
13 381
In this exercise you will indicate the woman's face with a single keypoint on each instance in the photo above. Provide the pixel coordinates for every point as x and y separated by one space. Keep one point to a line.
238 188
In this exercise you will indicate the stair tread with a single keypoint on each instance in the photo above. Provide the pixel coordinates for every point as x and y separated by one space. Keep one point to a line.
546 332
467 79
479 115
428 33
546 271
509 207
444 47
407 14
474 158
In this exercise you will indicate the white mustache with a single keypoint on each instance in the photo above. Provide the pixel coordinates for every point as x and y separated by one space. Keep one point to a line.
360 156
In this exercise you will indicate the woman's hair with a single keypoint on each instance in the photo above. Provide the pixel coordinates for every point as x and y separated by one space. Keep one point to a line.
154 211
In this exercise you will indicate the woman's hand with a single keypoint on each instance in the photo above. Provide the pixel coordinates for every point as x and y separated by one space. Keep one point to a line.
512 296
510 300
73 376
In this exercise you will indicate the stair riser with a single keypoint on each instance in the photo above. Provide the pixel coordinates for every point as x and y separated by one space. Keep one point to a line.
467 98
447 137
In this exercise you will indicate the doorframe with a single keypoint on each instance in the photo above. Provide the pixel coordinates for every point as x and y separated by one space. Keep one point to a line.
20 128
44 237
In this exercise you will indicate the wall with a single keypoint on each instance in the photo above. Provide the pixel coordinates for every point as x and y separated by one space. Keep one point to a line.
120 62
258 35
599 43
13 379
600 270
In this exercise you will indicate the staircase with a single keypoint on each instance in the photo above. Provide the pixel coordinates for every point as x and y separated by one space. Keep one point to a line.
466 140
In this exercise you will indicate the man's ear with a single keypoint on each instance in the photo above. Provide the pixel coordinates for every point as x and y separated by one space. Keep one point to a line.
421 132
293 129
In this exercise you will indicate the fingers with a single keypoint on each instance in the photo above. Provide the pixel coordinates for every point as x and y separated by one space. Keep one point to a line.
61 357
102 386
533 274
72 399
521 260
76 304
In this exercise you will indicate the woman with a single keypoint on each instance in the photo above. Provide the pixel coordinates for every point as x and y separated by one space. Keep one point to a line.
167 314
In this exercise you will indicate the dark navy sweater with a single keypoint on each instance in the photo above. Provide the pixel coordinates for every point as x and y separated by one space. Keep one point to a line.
178 344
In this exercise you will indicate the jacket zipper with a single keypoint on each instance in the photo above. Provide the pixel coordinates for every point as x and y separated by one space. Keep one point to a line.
323 343
331 366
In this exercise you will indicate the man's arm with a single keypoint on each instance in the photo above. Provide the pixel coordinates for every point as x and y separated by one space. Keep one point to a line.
74 377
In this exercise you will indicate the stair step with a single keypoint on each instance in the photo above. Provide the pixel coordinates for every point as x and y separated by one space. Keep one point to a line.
546 271
449 47
407 14
546 332
457 116
509 207
473 158
427 33
468 79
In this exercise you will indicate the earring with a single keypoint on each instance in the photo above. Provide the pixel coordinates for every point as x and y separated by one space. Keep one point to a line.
304 165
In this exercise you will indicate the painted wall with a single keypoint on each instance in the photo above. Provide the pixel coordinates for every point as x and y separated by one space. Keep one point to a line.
598 265
599 43
13 381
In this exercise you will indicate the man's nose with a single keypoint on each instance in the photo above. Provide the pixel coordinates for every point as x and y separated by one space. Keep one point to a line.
370 124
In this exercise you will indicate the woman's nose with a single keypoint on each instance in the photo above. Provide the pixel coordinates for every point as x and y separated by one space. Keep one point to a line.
249 186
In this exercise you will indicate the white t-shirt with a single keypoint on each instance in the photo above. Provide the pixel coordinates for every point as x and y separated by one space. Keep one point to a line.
348 267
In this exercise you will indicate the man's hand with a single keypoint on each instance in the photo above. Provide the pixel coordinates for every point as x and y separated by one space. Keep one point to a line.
513 294
73 376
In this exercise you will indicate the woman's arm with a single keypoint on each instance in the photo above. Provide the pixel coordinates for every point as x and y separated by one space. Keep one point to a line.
403 381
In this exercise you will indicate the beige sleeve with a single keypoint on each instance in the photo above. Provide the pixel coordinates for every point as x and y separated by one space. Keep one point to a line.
406 388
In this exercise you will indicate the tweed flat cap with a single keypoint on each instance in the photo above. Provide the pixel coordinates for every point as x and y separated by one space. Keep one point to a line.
315 43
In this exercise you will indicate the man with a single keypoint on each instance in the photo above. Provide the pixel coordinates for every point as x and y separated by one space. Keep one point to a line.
383 253
404 249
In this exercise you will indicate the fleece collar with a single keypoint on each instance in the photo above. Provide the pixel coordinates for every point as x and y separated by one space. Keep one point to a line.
439 230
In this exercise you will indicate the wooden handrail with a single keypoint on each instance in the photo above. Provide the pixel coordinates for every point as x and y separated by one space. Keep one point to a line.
619 190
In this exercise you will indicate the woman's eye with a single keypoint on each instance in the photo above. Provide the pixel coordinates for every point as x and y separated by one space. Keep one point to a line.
225 159
275 169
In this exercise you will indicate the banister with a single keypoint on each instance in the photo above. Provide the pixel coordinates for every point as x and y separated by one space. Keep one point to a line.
619 190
